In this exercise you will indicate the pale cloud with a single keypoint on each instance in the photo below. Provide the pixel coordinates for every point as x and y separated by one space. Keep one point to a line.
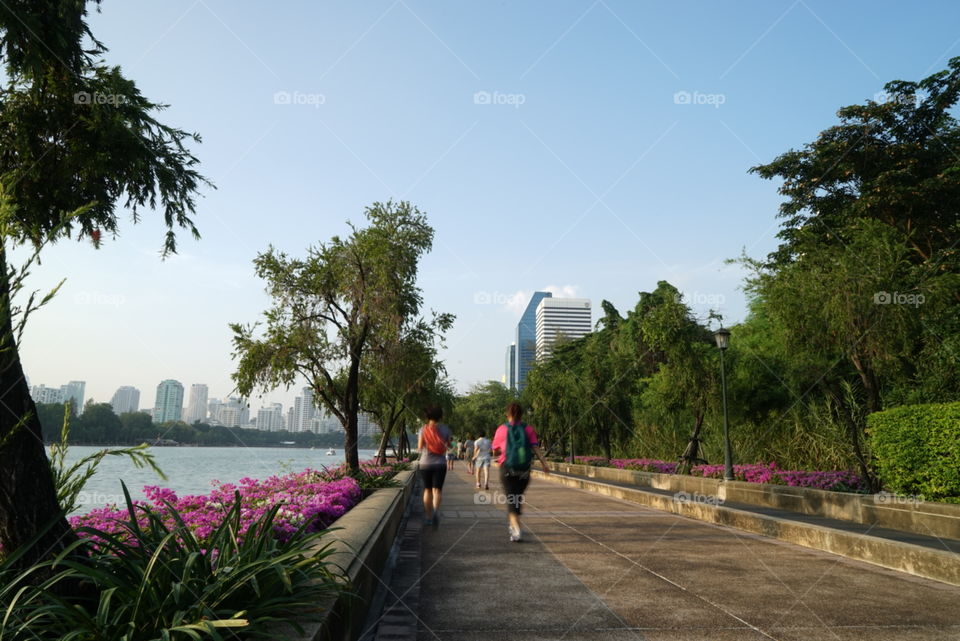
563 291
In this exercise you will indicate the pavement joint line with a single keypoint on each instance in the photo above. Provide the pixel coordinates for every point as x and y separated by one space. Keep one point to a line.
670 581
799 600
599 598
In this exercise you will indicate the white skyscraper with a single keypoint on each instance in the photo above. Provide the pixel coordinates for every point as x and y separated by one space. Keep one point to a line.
270 418
43 394
74 391
234 413
303 411
169 403
561 319
366 426
197 407
125 399
213 411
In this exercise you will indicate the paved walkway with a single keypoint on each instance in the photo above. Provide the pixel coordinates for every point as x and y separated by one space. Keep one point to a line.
592 568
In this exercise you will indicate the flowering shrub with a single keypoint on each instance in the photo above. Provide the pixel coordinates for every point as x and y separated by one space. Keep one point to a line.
838 481
639 464
306 499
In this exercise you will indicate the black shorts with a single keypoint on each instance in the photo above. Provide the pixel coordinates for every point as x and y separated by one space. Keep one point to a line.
514 485
433 477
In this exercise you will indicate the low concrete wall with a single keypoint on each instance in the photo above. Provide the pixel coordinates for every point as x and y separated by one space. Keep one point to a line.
362 543
882 510
939 565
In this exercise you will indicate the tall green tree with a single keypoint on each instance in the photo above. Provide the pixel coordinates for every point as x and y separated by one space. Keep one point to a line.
402 377
77 140
893 161
687 375
333 309
481 409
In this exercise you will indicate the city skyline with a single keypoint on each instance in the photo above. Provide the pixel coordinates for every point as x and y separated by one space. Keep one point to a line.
595 139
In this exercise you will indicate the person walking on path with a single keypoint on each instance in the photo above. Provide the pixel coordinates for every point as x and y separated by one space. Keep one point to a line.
468 453
452 453
482 449
516 444
433 443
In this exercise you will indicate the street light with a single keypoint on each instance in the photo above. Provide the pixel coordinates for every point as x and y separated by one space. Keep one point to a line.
722 336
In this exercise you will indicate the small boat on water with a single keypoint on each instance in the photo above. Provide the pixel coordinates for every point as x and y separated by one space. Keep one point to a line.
331 452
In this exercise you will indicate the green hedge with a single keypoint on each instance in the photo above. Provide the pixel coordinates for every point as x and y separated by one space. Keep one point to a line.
918 449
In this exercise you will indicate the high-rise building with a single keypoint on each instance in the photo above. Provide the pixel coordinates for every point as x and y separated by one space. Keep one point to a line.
303 411
197 406
73 391
125 399
561 319
43 394
270 418
510 371
169 403
366 426
526 339
290 419
213 411
234 413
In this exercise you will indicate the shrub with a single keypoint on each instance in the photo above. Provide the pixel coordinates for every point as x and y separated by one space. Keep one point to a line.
158 579
917 448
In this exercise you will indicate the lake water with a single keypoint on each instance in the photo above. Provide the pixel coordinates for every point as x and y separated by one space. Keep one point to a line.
190 470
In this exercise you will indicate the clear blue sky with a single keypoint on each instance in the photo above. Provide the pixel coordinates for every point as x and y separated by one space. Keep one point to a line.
580 168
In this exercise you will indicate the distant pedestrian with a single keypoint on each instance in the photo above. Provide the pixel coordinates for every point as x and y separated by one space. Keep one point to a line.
452 454
482 449
433 443
516 444
468 453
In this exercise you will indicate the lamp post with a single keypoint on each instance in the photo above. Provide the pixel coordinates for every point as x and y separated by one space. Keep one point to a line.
722 336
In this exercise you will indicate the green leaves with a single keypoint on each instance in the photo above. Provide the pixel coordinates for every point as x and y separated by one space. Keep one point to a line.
347 312
160 583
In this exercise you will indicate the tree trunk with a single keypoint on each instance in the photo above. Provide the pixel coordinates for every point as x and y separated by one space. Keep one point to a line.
871 386
382 450
28 499
854 431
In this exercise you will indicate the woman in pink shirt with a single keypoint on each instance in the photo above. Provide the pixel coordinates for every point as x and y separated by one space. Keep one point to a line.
515 480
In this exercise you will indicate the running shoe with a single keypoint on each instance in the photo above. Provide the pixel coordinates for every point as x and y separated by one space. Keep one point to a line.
514 534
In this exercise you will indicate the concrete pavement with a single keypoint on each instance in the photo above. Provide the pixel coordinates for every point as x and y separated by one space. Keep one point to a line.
592 567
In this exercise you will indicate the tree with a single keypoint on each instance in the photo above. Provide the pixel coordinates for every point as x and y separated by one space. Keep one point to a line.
98 424
402 378
481 409
686 378
348 298
892 161
76 139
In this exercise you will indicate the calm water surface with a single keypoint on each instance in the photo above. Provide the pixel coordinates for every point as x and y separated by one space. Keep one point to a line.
190 470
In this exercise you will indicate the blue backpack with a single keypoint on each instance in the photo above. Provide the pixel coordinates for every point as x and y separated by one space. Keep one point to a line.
519 451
